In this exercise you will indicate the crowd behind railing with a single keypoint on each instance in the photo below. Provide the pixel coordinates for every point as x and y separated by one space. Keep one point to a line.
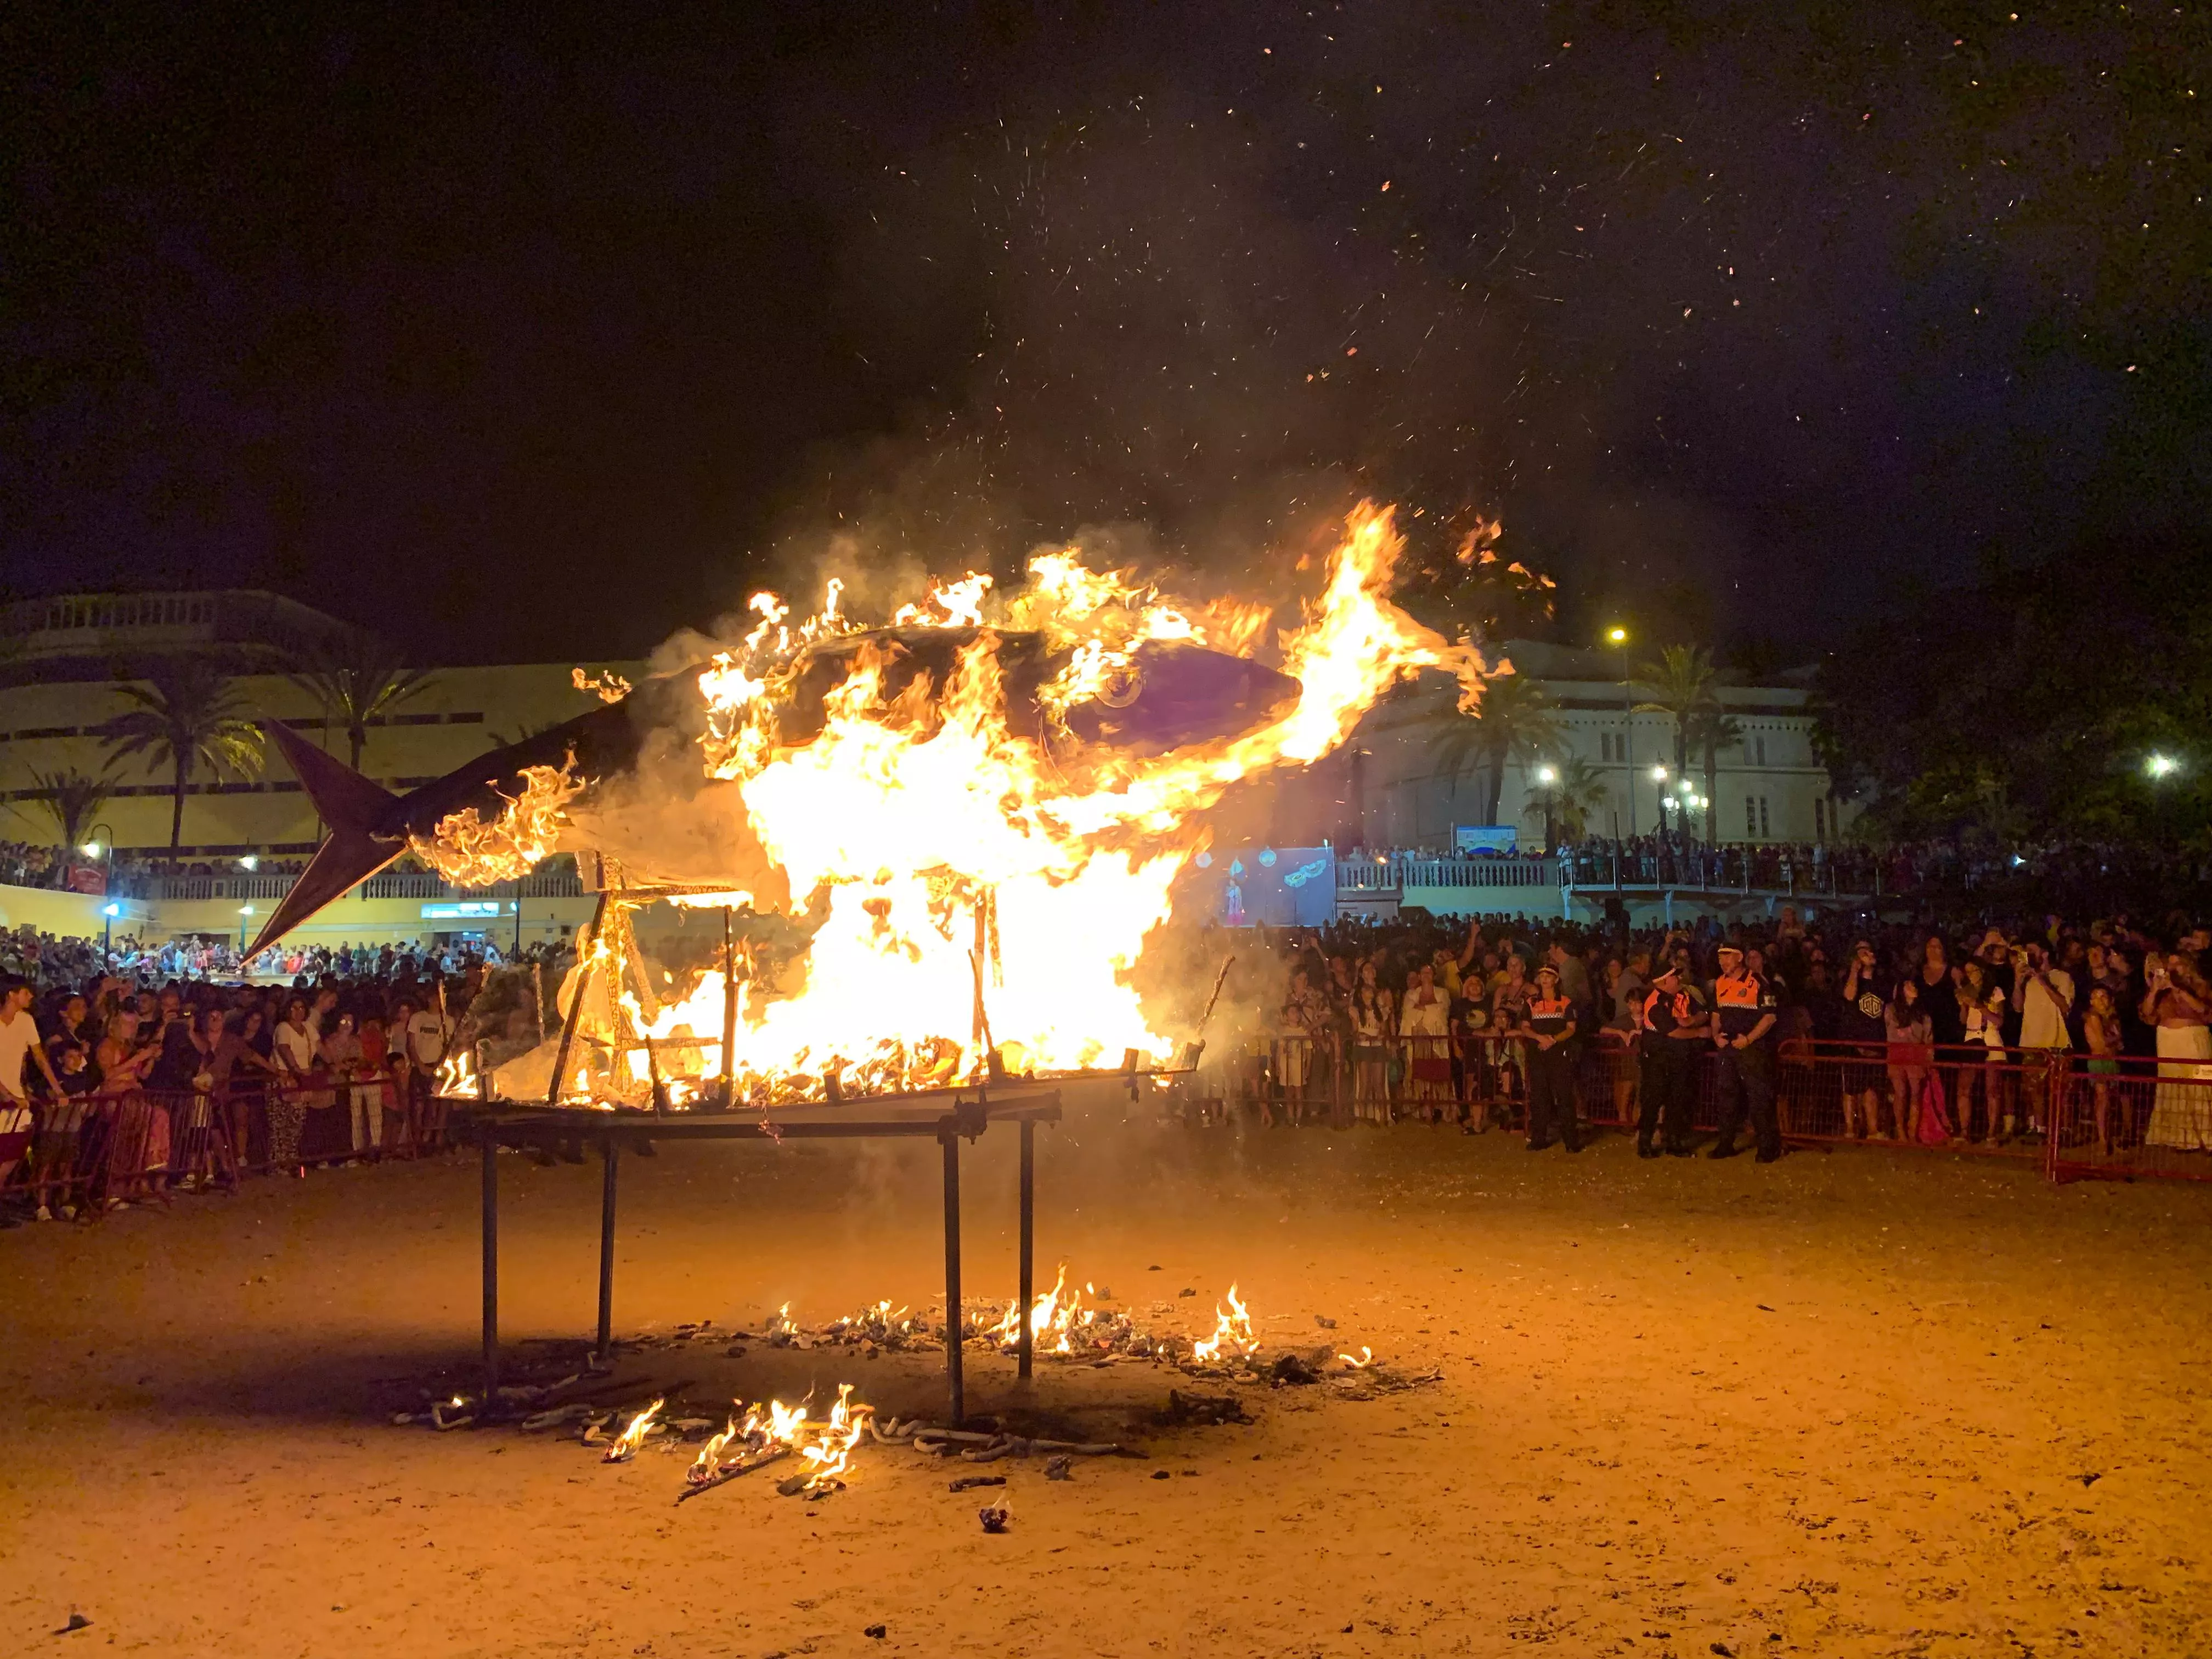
1814 869
135 1086
2084 1044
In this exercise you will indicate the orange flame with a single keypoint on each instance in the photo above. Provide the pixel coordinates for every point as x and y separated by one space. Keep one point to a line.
1232 1335
906 821
468 851
1055 1316
627 1443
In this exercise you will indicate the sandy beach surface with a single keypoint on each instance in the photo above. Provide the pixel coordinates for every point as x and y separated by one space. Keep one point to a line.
1856 1403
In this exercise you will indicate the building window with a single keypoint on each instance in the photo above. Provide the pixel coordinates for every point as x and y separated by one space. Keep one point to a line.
1751 816
1605 746
1763 831
1758 745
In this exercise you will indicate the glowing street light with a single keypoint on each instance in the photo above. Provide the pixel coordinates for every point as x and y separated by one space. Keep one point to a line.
1617 637
250 862
2161 766
1546 774
91 849
1658 775
244 911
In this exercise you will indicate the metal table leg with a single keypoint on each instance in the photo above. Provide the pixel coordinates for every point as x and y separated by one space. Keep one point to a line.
488 1141
954 1319
610 1156
1027 1339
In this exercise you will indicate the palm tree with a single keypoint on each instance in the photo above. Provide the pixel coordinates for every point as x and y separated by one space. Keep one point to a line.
186 715
356 682
1515 716
1576 790
1713 728
72 801
1681 682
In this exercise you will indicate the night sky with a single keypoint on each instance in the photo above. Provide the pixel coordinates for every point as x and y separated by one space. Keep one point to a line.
538 335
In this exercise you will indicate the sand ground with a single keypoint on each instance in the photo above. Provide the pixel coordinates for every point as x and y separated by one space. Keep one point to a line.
1852 1404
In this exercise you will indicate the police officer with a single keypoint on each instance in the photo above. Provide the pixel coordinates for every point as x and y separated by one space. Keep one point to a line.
1745 1007
1671 1031
1548 1027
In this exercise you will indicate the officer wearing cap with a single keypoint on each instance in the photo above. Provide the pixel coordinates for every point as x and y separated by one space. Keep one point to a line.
1745 1008
1548 1027
1671 1031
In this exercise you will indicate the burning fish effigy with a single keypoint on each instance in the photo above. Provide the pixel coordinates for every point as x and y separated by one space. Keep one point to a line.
976 813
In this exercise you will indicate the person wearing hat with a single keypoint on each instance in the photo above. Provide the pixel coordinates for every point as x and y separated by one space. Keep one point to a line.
1745 1007
1548 1027
1671 1028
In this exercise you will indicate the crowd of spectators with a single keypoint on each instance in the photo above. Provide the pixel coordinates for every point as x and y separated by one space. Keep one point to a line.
170 1072
1429 1019
1673 861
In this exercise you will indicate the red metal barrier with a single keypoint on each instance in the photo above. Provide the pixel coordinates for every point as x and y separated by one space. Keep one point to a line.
98 1153
2139 1120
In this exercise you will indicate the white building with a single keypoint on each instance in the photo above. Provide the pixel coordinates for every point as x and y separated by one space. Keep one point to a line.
1401 790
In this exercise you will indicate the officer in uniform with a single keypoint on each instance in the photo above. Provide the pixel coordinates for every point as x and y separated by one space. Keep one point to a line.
1745 1008
1671 1031
1547 1026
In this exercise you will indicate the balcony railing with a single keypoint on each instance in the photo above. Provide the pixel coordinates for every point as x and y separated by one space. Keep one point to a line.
391 885
1395 872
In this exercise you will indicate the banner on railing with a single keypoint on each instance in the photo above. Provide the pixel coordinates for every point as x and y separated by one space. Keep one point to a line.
1485 838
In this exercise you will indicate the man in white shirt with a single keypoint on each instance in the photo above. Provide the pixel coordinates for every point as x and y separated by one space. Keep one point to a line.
2047 998
19 1041
428 1031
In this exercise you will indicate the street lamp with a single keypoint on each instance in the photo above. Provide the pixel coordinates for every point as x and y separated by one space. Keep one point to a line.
108 915
1618 638
244 911
2161 766
250 863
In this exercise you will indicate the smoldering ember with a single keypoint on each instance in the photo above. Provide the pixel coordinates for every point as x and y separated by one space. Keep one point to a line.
1215 831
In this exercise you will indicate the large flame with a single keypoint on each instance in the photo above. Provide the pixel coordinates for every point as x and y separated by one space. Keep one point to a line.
470 851
977 886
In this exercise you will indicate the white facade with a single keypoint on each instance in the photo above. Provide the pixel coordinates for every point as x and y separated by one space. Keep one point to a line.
1770 787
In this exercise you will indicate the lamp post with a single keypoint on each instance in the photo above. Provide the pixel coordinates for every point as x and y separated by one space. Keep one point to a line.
1618 638
101 849
1659 789
244 912
1548 777
108 912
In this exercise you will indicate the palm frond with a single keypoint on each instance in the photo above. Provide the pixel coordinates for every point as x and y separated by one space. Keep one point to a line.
71 800
186 714
357 681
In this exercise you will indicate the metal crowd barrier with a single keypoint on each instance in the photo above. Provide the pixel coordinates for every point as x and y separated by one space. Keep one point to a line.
144 1146
2139 1118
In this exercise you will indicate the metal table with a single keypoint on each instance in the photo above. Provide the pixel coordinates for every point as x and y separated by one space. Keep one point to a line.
948 1115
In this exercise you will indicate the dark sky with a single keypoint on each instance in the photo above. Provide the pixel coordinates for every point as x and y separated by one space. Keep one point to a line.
542 338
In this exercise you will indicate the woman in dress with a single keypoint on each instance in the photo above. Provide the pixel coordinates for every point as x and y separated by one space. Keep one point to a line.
1920 1107
1424 1023
241 1073
1370 1016
2178 1003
